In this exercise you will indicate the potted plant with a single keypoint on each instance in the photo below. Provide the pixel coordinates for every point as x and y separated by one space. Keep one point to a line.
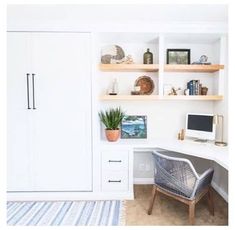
112 119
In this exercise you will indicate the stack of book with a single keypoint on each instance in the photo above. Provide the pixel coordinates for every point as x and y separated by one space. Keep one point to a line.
194 87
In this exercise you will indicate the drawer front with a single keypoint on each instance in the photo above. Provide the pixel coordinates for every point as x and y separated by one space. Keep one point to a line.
114 181
115 161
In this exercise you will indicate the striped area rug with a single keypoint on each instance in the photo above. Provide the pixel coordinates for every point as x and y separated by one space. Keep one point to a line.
66 213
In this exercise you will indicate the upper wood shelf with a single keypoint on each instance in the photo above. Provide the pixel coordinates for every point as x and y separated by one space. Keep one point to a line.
155 68
157 97
130 67
193 68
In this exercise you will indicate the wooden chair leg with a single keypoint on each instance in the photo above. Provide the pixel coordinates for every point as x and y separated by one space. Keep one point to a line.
192 212
154 193
210 201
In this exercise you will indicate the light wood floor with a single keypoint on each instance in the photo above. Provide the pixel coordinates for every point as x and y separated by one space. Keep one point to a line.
171 212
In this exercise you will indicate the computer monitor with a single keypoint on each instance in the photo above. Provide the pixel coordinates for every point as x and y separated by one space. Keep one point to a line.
200 126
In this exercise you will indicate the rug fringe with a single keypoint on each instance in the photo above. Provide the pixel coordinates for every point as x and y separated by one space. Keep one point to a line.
123 213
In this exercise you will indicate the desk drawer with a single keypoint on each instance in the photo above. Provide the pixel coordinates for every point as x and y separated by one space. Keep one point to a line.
114 181
115 160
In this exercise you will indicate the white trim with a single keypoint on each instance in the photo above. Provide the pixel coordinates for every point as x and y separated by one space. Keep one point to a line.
173 27
143 180
220 191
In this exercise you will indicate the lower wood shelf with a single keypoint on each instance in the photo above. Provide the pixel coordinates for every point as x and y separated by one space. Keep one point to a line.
157 97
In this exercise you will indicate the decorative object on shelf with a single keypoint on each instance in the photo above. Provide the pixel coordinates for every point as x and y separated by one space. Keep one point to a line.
195 88
112 119
186 92
128 60
146 85
181 135
114 88
134 127
148 57
112 54
202 61
175 91
135 93
136 90
204 90
200 89
178 56
216 121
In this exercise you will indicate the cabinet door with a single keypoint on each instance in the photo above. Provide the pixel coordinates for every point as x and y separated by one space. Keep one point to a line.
62 118
18 115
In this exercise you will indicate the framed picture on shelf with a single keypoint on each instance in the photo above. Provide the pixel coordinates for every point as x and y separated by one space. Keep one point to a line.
178 56
134 126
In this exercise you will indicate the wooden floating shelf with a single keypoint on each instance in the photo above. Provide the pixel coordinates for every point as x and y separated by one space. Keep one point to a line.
194 97
193 68
155 68
157 97
129 67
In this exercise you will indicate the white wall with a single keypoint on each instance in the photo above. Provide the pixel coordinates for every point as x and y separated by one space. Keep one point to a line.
164 118
196 18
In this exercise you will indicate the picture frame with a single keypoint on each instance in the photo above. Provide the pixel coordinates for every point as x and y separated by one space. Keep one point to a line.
134 127
178 56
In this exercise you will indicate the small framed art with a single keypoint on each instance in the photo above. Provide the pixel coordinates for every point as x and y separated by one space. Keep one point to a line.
178 56
134 126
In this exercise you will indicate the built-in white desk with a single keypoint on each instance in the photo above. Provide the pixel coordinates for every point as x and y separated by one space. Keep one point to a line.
117 161
188 147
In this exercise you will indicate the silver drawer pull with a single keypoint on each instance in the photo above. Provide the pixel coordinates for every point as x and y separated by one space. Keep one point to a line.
115 181
115 161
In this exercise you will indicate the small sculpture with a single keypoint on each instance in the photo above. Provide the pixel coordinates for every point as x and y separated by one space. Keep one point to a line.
114 88
174 91
112 54
202 61
129 60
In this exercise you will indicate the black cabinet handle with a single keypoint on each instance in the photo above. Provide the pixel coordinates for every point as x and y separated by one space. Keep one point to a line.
119 161
33 74
115 181
27 77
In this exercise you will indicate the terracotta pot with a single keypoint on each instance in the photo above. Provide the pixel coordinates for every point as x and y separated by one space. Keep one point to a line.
112 135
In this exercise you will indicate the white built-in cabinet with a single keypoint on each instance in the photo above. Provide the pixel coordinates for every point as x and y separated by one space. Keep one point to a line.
117 170
49 112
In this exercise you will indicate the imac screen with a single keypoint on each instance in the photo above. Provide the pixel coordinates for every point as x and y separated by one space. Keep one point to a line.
200 123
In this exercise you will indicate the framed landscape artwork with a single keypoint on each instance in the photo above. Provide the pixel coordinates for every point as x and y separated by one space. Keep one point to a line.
178 56
134 126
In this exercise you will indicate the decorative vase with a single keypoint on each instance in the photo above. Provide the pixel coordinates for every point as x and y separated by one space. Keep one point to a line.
148 57
112 135
204 90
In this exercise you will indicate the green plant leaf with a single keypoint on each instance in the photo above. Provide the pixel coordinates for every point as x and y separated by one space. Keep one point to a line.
111 118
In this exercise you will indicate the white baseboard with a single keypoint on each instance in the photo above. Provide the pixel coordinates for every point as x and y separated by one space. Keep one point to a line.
220 191
143 180
61 196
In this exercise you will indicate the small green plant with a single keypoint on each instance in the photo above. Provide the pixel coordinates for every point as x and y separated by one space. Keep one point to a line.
111 118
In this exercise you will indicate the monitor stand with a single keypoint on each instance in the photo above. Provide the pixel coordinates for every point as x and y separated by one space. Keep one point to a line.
201 140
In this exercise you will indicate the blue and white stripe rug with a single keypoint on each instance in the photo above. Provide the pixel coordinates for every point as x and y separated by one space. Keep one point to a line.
66 213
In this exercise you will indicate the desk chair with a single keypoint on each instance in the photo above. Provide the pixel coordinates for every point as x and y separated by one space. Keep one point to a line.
177 178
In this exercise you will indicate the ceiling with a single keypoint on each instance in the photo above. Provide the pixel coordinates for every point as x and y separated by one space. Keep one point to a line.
122 13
